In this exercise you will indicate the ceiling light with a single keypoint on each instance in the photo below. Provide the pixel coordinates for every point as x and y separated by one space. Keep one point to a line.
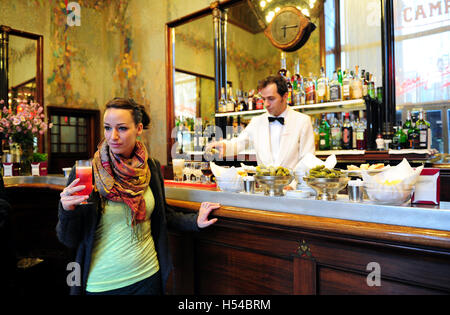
277 9
305 12
270 16
262 4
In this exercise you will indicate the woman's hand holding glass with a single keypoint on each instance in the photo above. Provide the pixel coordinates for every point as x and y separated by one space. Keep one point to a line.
68 198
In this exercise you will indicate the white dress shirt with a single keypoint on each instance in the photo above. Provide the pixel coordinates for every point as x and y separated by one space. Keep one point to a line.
276 129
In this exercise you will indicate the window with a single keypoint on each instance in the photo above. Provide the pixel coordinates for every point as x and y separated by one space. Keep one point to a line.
68 134
422 62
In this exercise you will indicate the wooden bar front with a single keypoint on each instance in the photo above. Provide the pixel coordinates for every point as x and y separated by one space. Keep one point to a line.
260 252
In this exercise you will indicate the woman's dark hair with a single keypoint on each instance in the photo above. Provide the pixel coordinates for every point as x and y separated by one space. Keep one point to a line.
138 111
282 87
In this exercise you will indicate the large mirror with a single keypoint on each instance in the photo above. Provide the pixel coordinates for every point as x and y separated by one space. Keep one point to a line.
336 43
21 69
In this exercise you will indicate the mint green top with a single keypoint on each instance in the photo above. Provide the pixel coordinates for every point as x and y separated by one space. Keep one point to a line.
118 258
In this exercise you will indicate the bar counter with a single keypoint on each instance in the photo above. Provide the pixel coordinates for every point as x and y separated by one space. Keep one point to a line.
270 245
284 245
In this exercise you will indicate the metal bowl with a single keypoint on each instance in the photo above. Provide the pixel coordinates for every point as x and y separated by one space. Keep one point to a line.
326 188
273 185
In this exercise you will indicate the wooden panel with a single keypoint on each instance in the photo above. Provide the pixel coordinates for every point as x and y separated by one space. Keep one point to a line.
226 270
182 277
304 276
332 281
410 265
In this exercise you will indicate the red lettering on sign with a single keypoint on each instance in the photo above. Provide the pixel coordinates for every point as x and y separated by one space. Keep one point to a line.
404 14
436 6
420 11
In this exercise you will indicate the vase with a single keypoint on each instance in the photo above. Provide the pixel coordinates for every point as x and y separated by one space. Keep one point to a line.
26 156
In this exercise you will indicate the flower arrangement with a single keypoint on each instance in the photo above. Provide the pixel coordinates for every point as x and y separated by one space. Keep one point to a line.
24 125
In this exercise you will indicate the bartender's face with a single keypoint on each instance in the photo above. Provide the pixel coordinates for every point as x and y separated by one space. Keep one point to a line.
273 102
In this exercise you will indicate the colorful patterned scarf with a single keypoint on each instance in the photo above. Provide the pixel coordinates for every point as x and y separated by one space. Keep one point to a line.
123 180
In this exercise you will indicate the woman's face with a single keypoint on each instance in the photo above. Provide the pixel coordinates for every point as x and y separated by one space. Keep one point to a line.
121 131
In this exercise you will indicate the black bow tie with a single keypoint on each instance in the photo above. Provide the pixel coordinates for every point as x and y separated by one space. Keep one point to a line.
280 119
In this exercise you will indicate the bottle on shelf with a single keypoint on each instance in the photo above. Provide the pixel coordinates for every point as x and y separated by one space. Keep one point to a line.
231 103
413 135
222 102
380 142
407 125
290 100
245 100
361 132
251 100
336 134
370 85
259 101
346 86
356 89
399 139
347 133
354 122
283 67
363 82
316 133
335 88
310 89
322 87
423 131
324 134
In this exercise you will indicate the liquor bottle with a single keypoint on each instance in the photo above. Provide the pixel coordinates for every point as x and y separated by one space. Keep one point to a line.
423 131
407 125
430 137
322 87
363 82
245 100
370 85
324 134
310 89
336 134
354 122
347 133
356 90
380 142
290 99
231 103
222 102
335 88
361 133
283 68
413 136
399 138
346 86
316 133
259 101
250 102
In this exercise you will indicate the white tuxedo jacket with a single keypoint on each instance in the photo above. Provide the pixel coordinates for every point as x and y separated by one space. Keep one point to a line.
297 139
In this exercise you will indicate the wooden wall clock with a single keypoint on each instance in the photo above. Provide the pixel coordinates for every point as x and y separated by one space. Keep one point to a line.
289 29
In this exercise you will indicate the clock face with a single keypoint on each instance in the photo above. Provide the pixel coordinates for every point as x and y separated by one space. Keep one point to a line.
285 27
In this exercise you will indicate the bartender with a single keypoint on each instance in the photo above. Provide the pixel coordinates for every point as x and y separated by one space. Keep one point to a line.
280 137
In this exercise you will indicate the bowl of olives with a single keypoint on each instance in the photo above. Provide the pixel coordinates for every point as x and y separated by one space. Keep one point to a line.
273 179
326 182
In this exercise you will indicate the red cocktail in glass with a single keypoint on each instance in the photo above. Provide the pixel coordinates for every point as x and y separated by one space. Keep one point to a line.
84 173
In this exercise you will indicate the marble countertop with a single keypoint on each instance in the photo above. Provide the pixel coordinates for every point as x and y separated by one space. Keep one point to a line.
437 218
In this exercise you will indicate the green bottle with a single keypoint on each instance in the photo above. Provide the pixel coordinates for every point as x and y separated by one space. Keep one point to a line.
324 134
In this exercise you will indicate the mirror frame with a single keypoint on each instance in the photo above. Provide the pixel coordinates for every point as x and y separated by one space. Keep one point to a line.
387 65
7 31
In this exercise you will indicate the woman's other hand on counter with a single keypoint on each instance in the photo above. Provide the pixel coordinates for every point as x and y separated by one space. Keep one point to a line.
68 201
204 211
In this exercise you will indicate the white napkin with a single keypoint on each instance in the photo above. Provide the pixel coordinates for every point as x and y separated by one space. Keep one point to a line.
310 161
225 172
250 168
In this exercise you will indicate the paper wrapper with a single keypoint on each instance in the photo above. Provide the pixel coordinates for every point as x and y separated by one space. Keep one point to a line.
394 185
228 179
310 161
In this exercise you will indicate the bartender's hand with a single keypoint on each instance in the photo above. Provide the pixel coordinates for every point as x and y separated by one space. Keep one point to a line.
219 146
288 188
68 201
204 211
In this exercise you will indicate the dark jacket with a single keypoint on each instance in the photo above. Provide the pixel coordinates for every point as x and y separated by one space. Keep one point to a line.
76 228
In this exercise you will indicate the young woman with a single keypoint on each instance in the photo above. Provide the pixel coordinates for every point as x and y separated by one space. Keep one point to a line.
121 233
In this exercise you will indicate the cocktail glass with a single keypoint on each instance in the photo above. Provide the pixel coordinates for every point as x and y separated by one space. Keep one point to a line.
84 173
